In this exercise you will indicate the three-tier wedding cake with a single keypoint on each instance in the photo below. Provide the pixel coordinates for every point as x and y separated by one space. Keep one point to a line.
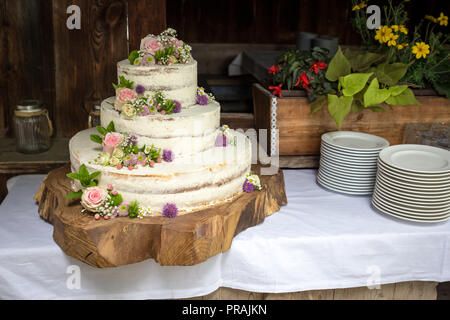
160 149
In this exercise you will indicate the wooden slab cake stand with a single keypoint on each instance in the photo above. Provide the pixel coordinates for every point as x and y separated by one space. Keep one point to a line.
185 240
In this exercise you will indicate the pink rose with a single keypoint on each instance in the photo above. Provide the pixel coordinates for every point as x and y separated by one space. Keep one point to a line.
178 44
93 198
123 95
150 45
111 140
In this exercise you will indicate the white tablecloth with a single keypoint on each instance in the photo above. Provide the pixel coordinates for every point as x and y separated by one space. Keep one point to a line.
320 240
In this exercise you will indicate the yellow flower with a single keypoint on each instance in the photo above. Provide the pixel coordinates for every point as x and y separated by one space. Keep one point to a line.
403 29
359 6
383 34
392 39
421 49
431 18
395 27
402 45
443 19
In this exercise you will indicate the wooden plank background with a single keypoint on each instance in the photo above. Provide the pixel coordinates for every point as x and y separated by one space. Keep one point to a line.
70 70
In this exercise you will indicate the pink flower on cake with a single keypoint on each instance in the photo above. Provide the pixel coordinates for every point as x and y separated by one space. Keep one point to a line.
123 95
148 60
111 141
93 198
150 45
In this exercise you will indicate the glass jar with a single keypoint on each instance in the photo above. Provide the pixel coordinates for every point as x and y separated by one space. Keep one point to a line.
32 127
94 117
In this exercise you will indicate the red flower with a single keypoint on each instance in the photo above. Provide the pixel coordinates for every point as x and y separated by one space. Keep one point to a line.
303 80
276 90
274 69
318 65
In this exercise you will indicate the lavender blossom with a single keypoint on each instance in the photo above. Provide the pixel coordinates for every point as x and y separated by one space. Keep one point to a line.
140 89
168 155
221 141
202 100
177 108
170 210
248 187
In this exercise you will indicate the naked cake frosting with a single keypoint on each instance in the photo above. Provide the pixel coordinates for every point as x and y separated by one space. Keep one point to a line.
160 149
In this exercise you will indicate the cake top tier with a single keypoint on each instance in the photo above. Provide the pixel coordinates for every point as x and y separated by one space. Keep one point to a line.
162 49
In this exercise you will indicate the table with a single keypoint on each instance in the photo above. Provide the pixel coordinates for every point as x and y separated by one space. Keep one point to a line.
320 240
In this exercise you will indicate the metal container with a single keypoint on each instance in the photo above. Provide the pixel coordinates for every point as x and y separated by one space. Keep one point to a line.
32 127
304 40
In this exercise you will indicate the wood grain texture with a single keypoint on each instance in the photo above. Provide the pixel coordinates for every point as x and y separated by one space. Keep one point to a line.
85 59
186 240
300 131
413 290
145 17
26 57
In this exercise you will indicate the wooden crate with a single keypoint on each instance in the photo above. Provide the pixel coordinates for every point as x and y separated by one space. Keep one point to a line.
299 130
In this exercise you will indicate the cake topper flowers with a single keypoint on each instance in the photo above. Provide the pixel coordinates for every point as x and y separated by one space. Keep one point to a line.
251 183
162 49
204 98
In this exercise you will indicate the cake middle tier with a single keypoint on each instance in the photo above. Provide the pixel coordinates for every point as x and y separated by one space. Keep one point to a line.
175 81
188 132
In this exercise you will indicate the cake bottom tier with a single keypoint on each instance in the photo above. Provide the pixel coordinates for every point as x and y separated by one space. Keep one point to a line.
193 183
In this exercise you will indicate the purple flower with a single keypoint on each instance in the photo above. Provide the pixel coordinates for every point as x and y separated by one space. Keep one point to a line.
132 140
221 141
145 111
177 107
168 155
248 187
140 89
134 159
122 210
202 100
170 210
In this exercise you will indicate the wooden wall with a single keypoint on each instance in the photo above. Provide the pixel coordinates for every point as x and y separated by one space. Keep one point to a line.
70 70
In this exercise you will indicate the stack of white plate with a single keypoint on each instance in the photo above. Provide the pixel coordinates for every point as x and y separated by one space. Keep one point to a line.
413 183
348 161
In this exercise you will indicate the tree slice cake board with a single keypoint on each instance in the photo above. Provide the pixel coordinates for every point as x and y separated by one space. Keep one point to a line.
182 241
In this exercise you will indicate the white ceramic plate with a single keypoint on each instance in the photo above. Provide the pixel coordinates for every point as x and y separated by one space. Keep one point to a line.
414 174
417 158
405 176
411 213
352 162
342 190
326 148
351 177
354 140
417 181
414 186
411 192
369 153
392 213
348 168
411 197
390 196
345 185
409 207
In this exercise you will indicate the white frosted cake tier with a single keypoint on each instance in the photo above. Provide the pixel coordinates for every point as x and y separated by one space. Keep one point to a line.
192 182
175 81
190 131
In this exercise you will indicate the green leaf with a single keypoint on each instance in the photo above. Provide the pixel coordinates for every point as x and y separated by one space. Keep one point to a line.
396 90
94 175
83 171
374 95
133 209
390 74
111 127
362 61
317 104
405 98
73 175
357 105
116 200
73 195
133 56
123 83
442 87
102 130
339 66
339 107
96 138
354 83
